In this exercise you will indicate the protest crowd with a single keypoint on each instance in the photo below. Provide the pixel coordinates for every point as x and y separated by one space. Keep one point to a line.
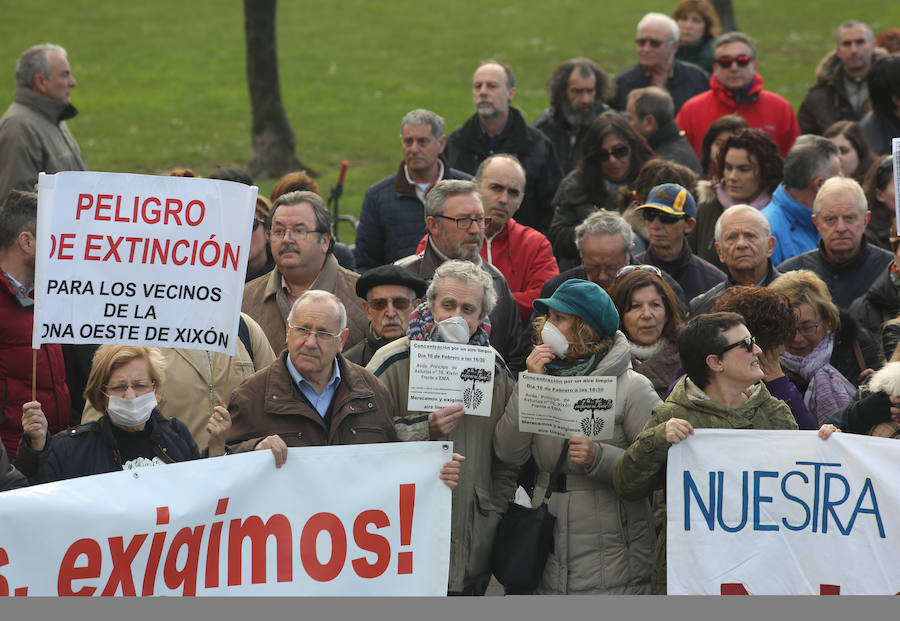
732 263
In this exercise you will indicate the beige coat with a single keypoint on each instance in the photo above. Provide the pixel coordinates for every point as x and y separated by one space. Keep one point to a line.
194 381
603 543
486 484
265 301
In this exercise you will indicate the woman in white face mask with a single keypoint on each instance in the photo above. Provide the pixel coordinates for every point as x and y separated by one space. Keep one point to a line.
132 432
604 545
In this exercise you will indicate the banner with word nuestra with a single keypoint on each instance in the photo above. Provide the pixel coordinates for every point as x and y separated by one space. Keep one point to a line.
367 520
783 513
141 260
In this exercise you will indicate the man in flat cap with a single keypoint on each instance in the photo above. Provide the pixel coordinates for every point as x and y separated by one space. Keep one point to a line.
389 293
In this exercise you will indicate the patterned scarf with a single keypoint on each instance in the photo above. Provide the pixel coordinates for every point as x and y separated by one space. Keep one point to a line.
422 327
582 365
726 201
828 391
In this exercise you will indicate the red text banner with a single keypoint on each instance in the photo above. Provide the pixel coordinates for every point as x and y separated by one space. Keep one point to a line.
783 513
141 260
366 520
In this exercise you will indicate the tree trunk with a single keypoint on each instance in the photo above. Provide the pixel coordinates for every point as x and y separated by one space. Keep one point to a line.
726 14
271 133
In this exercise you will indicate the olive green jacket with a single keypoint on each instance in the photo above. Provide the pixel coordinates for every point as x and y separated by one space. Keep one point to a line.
642 468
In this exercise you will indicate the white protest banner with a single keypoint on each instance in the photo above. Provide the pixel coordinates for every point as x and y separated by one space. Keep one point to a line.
368 519
141 260
441 374
783 513
565 406
895 152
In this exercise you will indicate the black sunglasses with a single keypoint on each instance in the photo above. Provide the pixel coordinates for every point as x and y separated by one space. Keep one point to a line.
666 218
617 152
399 303
725 62
748 342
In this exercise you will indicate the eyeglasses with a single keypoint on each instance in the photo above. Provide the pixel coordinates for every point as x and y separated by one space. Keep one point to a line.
644 268
258 222
650 215
399 303
808 329
619 152
300 234
303 332
654 43
465 223
139 388
725 62
748 342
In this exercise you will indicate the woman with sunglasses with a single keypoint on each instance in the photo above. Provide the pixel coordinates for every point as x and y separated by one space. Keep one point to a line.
749 169
881 303
650 318
722 390
611 156
829 355
604 545
698 24
131 433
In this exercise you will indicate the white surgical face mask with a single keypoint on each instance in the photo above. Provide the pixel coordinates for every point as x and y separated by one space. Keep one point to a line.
557 341
454 330
131 412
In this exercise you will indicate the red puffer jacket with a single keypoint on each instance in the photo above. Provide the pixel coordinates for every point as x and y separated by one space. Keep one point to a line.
15 372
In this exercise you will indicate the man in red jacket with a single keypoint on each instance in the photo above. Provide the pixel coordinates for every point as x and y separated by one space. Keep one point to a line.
522 254
736 88
18 224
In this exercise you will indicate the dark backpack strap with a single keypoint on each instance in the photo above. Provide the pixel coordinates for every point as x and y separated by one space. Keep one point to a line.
554 476
244 335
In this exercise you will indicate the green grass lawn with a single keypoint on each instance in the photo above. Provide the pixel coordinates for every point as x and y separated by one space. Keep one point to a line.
162 84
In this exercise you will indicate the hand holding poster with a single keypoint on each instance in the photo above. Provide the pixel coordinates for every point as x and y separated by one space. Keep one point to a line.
140 260
783 513
565 406
441 374
371 519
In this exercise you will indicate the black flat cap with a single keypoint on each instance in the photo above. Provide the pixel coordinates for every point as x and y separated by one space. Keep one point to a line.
390 275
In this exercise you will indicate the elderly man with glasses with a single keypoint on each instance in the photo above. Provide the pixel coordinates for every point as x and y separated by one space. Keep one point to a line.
299 233
389 293
454 217
657 42
736 88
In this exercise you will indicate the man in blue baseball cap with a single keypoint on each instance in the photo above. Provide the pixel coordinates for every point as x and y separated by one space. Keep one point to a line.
670 213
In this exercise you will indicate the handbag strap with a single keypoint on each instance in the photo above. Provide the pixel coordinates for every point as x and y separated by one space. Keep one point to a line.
864 370
554 476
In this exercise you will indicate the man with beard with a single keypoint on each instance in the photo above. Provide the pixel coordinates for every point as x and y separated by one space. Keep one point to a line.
577 90
454 217
389 294
299 233
497 127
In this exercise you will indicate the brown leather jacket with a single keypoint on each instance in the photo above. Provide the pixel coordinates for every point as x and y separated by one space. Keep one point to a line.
269 402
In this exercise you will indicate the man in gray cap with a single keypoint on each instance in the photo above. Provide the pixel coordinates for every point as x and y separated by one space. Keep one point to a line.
389 293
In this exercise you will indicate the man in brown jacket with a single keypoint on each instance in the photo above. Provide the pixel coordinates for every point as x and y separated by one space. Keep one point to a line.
299 232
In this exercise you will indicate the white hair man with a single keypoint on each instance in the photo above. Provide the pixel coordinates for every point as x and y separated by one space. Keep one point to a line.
34 136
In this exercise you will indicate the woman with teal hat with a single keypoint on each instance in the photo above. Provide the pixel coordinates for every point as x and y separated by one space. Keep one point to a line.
602 543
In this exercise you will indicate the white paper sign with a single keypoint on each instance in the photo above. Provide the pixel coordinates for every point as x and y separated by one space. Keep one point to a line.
783 513
441 374
141 260
566 406
370 519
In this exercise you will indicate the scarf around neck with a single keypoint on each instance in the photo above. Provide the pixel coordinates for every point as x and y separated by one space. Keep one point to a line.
422 327
828 391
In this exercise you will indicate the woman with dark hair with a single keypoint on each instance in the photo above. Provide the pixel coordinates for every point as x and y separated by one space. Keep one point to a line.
878 185
713 140
611 156
650 318
749 171
829 354
881 303
698 23
769 315
855 155
722 390
604 545
656 171
883 122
